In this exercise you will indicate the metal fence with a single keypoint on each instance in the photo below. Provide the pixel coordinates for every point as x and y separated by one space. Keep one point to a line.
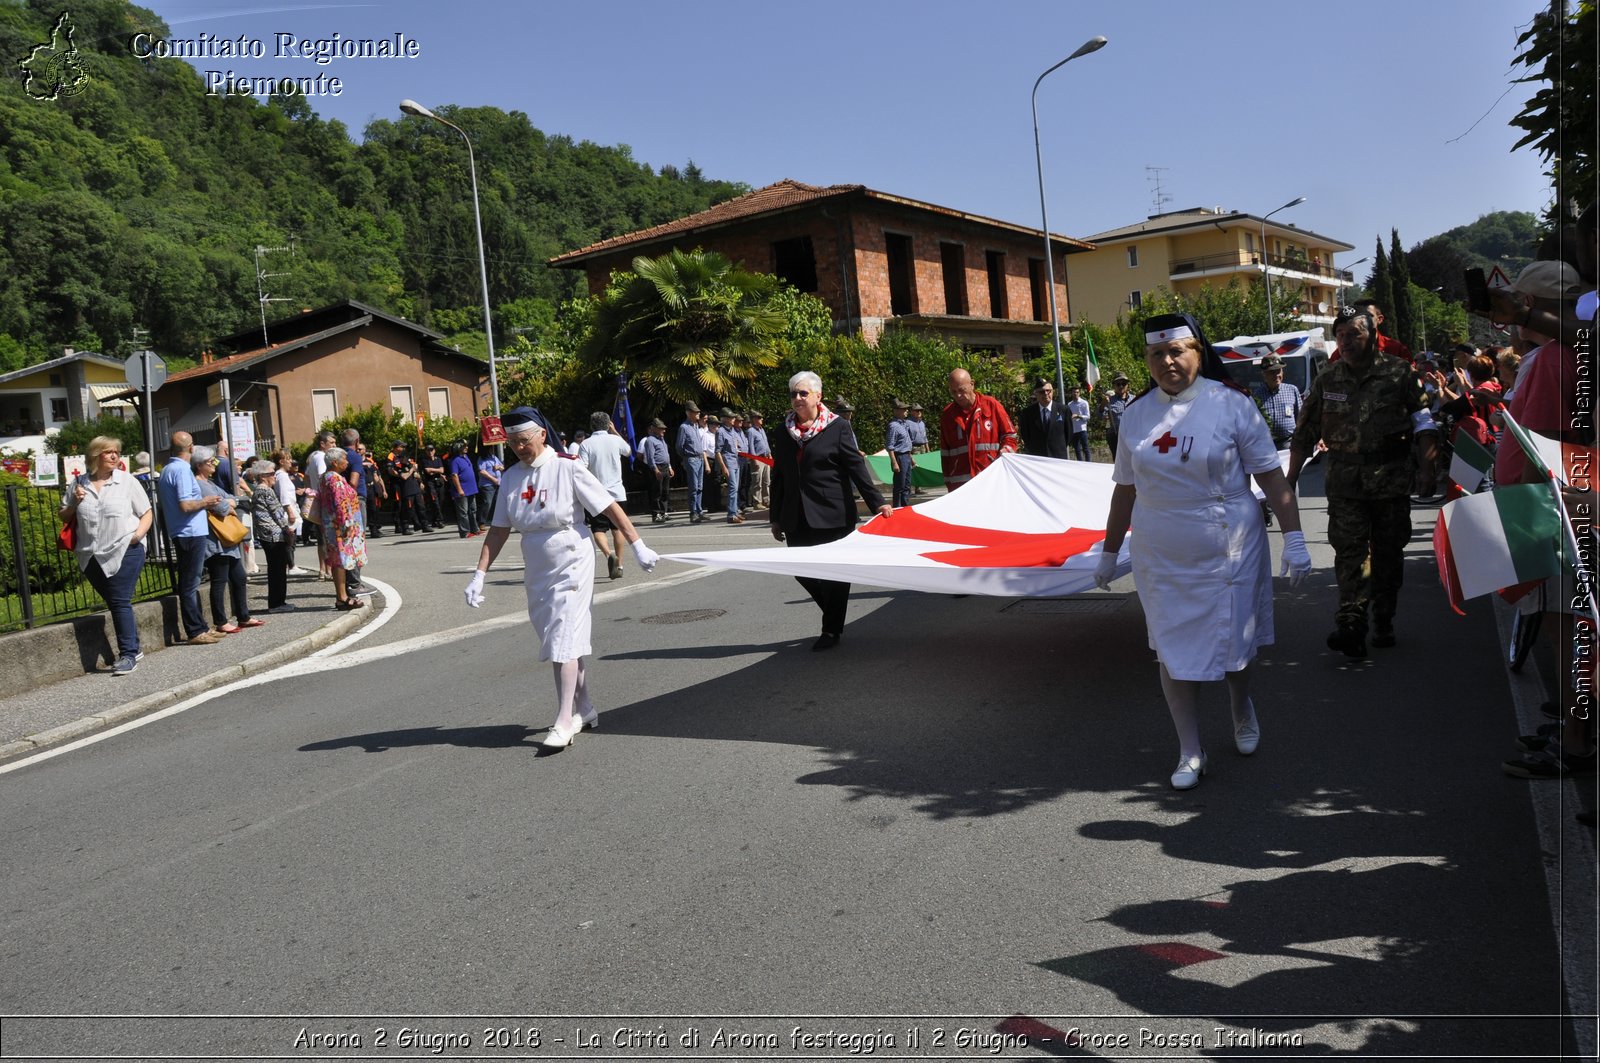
40 583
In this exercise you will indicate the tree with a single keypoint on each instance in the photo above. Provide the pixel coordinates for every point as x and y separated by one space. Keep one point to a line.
1560 118
1234 309
1404 327
686 325
1380 285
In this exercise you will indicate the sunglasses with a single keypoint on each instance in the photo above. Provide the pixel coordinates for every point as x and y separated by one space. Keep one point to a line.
798 394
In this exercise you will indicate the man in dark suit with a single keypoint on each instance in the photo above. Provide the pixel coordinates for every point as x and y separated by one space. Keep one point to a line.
815 462
1044 423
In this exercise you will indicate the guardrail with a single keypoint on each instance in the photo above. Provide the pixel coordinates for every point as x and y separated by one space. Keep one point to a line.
39 582
1252 260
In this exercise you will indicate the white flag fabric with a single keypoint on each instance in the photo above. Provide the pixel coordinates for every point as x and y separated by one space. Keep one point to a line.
1025 527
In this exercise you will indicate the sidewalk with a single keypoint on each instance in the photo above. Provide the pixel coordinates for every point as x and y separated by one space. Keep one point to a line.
61 712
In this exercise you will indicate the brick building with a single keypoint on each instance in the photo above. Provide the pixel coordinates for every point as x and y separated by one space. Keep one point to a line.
315 365
877 260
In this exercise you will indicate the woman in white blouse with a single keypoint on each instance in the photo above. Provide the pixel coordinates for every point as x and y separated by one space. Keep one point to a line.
113 517
1185 455
544 497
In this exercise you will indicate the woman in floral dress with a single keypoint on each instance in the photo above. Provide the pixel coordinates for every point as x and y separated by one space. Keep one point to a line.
344 545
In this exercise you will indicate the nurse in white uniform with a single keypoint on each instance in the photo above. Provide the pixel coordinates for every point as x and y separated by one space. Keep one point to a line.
1187 449
544 497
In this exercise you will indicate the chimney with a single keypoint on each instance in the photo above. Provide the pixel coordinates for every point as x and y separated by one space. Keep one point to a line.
206 357
67 352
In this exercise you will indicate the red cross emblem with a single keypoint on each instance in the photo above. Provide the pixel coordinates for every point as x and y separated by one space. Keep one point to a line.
1166 442
527 493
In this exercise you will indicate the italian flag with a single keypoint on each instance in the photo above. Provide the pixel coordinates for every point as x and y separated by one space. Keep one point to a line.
1091 365
1470 464
1486 542
1516 534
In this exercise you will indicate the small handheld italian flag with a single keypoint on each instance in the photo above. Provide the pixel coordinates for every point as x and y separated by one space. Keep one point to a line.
1515 535
1470 464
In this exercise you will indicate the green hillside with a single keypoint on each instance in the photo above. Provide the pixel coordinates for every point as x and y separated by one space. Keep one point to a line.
137 201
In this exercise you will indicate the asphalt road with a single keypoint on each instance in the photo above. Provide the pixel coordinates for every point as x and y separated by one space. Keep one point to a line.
962 811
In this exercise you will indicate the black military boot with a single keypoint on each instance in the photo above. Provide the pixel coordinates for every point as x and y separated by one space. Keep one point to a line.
1349 639
1383 632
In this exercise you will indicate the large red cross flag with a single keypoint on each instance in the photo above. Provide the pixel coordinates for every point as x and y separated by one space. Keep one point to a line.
1025 527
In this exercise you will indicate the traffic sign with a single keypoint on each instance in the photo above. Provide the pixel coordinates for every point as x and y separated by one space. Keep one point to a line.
137 372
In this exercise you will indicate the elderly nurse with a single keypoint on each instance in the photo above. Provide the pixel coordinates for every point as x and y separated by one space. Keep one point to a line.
544 496
1185 455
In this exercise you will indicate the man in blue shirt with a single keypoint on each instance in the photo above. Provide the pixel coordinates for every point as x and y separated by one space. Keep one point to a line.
919 439
692 455
658 470
183 516
464 490
898 444
1116 403
760 462
731 445
490 468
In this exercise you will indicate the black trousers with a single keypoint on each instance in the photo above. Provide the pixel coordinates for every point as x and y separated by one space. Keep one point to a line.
831 596
279 556
659 486
407 513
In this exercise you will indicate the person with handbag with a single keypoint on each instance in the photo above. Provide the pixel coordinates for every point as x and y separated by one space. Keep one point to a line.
110 515
224 558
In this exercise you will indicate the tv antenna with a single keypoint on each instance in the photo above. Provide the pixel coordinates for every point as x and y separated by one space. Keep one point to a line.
1158 198
262 276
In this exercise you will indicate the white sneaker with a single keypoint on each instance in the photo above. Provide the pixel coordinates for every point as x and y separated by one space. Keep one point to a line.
559 739
1247 736
1189 770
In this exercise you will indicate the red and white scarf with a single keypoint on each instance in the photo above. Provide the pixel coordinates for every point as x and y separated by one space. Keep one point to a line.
823 419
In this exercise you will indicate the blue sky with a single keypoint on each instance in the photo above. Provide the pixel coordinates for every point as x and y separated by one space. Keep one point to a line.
1380 113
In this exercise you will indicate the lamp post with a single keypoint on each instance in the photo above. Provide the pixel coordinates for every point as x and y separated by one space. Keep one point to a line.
1343 288
413 107
1266 266
1094 44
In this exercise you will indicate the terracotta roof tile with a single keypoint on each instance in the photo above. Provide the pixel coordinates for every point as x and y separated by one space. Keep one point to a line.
786 193
783 195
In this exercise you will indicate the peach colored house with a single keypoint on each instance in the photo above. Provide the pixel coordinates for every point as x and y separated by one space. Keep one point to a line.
1185 249
877 260
316 364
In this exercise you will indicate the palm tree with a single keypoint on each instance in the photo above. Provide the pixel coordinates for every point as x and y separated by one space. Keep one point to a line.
687 325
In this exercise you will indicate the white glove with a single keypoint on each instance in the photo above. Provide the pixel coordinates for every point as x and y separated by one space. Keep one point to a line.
1106 570
474 591
1296 558
646 557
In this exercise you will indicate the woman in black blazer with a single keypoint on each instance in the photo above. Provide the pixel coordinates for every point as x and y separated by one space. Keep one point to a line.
815 462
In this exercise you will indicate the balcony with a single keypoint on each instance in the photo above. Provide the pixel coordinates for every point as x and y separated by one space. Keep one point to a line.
1236 261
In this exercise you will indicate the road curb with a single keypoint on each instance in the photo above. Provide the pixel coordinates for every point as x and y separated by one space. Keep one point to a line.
326 635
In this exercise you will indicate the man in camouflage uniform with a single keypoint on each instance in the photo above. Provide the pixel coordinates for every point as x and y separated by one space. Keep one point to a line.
1367 408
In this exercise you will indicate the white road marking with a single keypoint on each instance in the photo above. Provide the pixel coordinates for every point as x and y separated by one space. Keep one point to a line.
319 659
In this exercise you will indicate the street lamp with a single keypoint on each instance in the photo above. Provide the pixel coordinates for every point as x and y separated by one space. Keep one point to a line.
1343 288
1094 44
1266 266
413 107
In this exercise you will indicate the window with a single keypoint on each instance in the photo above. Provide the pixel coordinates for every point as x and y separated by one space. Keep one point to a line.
438 402
796 262
996 263
1039 284
400 399
1136 299
324 408
58 410
953 260
902 274
1133 256
1250 242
